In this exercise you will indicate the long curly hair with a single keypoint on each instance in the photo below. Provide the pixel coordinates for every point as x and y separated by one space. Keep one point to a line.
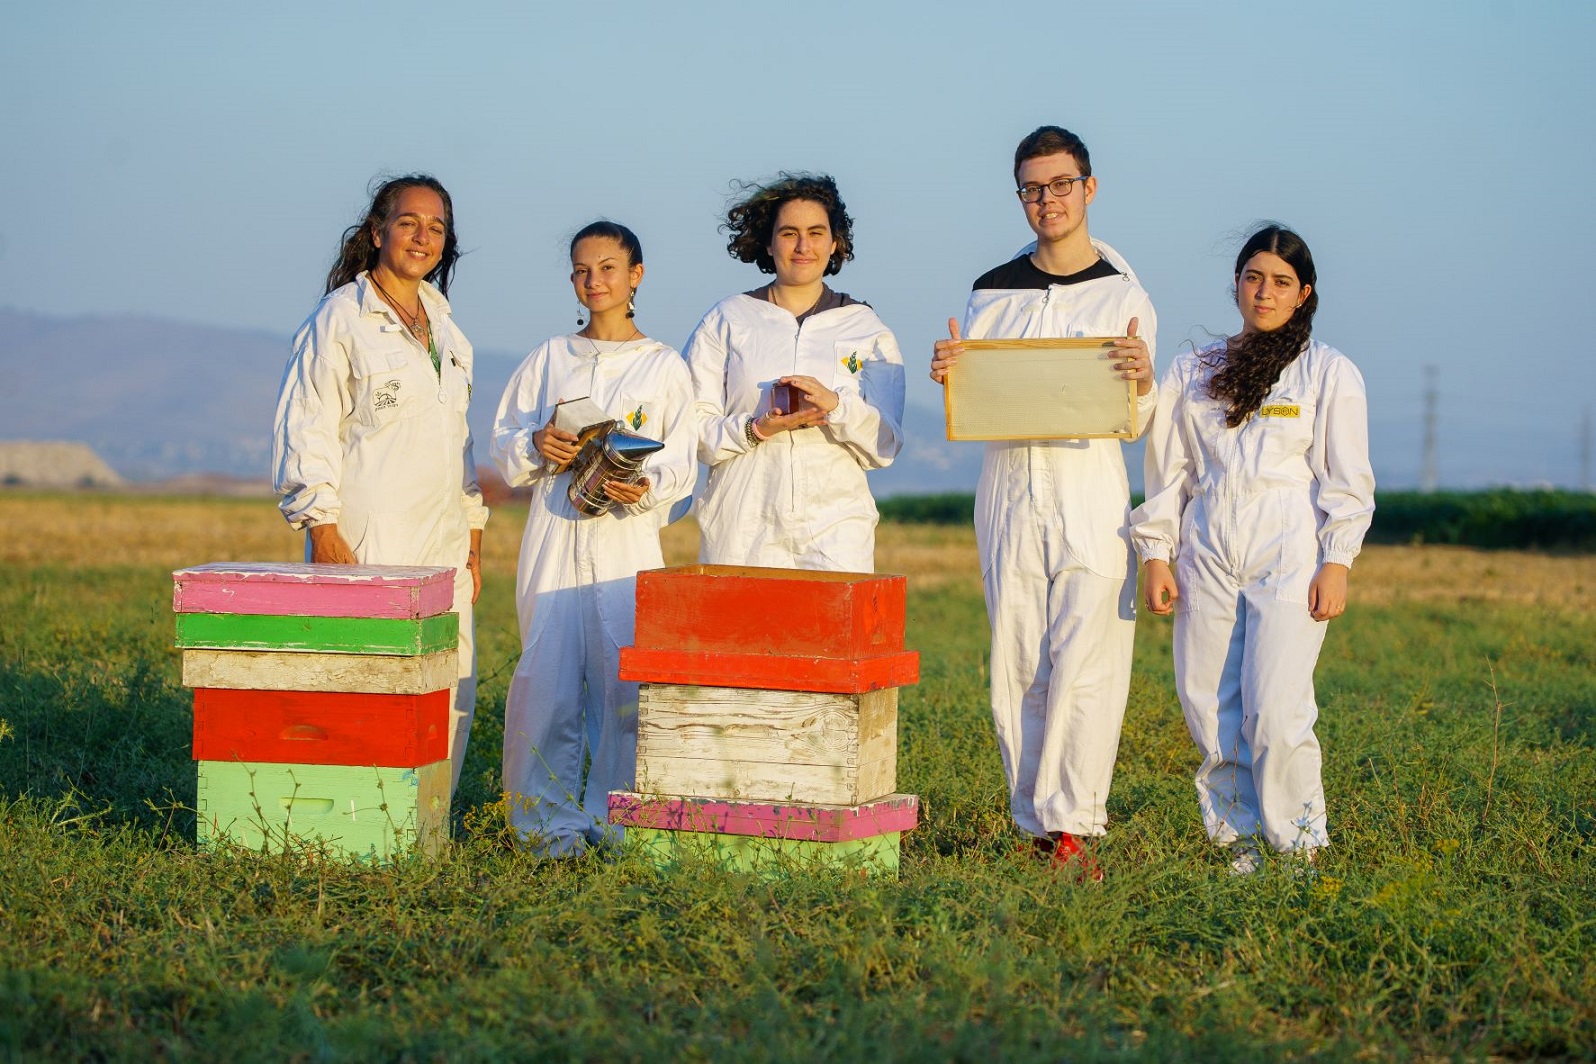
359 253
1249 366
751 222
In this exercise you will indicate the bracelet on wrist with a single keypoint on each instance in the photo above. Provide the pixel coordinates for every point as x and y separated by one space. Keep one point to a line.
751 434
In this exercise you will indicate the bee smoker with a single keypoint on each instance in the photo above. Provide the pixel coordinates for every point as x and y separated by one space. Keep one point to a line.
612 454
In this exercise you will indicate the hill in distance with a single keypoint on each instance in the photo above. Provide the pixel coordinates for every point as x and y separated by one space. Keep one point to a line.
161 400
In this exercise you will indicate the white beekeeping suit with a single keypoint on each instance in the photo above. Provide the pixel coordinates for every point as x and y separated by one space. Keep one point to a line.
576 582
799 499
369 436
1247 515
1050 523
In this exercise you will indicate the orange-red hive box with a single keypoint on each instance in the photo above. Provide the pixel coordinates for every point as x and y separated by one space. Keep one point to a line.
776 629
744 609
321 727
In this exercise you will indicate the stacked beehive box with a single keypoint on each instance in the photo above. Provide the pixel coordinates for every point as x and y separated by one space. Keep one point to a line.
321 703
768 715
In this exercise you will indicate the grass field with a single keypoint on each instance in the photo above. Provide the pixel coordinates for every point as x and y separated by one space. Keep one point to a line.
1455 916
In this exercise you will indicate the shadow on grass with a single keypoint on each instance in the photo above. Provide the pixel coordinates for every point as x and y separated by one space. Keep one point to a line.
1577 723
112 739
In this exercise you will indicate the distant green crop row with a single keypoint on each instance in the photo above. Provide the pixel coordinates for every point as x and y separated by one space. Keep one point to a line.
1502 518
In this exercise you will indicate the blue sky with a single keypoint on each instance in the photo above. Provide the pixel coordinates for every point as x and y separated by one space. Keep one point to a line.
198 162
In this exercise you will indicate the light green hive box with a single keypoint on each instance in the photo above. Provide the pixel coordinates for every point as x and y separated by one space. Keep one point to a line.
752 853
370 813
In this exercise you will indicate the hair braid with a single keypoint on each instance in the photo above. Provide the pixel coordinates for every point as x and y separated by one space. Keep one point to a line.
1251 365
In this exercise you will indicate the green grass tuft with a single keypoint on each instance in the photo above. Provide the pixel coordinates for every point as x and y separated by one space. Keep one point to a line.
1452 917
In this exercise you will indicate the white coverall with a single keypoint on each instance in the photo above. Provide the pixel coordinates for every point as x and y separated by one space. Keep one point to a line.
1051 529
370 437
576 583
1248 514
799 499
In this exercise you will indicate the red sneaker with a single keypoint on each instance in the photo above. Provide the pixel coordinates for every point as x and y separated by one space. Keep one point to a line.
1041 849
1070 855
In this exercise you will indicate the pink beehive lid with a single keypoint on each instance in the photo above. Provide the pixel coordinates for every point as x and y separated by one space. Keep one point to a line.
306 589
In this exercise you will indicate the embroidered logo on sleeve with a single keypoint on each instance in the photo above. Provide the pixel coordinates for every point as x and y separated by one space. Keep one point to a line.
387 395
637 419
1280 410
853 364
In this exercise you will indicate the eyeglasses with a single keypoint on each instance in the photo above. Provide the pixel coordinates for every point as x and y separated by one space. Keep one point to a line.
1059 186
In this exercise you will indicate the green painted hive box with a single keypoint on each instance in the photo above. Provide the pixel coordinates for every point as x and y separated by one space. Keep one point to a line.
327 635
369 813
751 853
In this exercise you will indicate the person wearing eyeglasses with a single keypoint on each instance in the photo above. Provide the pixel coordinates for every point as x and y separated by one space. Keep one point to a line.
798 391
1051 516
371 453
1259 494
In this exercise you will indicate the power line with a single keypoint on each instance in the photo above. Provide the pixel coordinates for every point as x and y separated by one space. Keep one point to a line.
1584 452
1429 476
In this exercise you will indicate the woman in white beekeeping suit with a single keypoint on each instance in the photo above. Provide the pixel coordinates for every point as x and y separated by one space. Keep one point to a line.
371 453
577 579
798 391
1259 492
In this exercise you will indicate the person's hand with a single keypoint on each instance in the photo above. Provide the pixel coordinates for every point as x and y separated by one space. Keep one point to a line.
1158 585
328 547
944 353
817 394
474 563
770 423
624 493
1135 362
1327 595
554 444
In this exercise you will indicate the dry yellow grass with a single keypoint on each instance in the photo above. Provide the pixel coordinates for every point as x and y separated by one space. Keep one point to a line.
89 530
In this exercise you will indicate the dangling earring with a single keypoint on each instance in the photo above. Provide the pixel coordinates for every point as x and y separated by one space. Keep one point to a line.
631 304
579 310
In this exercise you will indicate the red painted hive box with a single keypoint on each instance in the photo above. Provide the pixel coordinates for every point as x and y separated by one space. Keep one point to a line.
775 629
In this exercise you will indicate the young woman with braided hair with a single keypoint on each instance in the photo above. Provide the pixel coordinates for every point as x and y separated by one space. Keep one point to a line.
1259 492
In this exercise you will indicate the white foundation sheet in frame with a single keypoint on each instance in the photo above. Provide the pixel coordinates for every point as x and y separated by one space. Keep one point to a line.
1054 389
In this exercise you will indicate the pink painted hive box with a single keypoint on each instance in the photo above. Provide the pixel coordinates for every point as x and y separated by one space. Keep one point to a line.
770 820
305 589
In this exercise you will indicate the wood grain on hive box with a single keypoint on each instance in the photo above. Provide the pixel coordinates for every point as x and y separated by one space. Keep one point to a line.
1039 389
785 746
274 670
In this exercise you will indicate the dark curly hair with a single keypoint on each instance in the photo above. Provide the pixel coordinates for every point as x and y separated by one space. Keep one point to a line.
751 222
1052 140
359 252
1250 366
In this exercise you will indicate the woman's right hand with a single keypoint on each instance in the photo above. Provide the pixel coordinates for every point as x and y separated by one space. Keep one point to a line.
554 444
328 546
944 353
1158 584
